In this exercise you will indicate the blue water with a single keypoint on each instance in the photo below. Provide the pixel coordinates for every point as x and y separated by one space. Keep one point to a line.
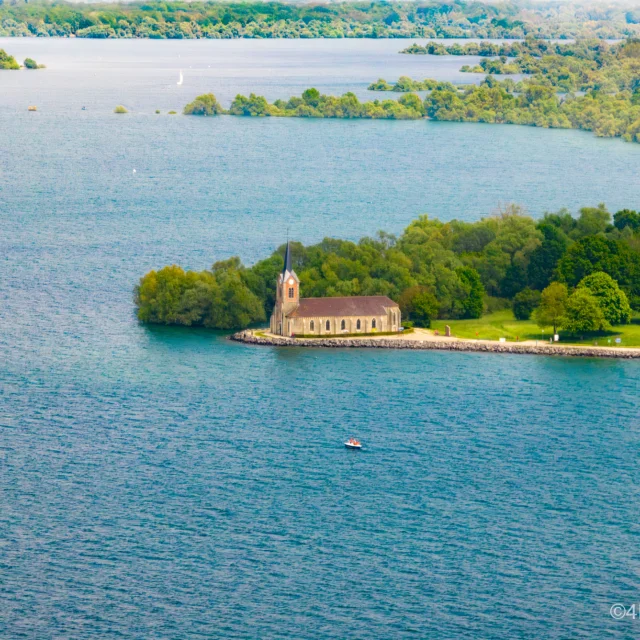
166 483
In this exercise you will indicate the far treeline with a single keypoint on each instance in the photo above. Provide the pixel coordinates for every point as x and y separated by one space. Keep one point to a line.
457 19
580 274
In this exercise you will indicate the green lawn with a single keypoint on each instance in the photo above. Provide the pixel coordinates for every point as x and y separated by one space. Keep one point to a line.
502 324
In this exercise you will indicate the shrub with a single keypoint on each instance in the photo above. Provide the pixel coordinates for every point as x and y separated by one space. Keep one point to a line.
120 109
30 63
524 303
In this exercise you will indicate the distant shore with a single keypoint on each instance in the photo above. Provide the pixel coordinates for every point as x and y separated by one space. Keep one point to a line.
425 340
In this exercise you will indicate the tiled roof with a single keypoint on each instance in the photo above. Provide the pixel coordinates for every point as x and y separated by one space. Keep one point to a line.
350 306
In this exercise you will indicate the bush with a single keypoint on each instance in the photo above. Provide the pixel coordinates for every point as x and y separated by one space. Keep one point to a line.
524 303
30 63
120 109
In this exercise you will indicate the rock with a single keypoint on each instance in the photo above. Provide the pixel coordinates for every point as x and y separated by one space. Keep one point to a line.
249 337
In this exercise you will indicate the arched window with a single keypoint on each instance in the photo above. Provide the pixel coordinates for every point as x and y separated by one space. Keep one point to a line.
373 323
311 326
343 325
358 325
328 325
291 292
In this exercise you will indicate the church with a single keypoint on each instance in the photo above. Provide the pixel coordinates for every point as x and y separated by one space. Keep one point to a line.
293 315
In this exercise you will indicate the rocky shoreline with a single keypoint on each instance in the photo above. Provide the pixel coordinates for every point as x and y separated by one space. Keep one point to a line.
249 337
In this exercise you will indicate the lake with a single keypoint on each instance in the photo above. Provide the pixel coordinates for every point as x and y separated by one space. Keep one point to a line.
166 483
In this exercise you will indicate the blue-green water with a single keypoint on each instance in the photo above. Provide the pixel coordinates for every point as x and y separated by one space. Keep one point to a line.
166 483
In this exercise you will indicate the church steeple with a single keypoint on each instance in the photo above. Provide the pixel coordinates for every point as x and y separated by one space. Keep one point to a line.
287 260
287 296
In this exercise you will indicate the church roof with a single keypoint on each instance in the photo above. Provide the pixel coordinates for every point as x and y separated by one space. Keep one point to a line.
348 306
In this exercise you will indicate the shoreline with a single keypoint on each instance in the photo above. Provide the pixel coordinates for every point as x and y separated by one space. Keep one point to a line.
424 340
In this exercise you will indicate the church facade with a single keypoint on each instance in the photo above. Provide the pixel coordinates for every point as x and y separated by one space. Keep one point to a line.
293 315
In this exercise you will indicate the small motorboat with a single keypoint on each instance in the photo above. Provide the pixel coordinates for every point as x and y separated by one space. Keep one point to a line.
352 443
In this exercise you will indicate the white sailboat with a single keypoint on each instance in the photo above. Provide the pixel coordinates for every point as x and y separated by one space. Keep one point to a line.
181 78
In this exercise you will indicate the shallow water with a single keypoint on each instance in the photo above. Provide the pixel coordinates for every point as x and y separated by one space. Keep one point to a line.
166 483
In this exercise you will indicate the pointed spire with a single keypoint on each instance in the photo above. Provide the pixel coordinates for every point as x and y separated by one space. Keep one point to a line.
287 259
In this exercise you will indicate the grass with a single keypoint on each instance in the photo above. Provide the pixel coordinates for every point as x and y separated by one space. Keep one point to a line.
502 324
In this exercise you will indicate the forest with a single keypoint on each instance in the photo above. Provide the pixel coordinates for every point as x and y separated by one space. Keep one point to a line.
431 19
578 273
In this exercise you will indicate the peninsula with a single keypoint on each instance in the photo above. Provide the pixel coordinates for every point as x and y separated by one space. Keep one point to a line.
608 77
505 276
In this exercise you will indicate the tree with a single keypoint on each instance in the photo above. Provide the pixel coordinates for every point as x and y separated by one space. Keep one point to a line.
544 259
419 305
30 63
412 101
583 313
612 300
204 105
515 279
553 301
524 303
592 220
596 253
472 304
7 61
626 218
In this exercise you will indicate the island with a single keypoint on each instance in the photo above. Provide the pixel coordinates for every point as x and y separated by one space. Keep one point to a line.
505 276
9 62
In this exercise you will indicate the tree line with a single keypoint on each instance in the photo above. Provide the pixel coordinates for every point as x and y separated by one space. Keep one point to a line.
457 19
579 273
